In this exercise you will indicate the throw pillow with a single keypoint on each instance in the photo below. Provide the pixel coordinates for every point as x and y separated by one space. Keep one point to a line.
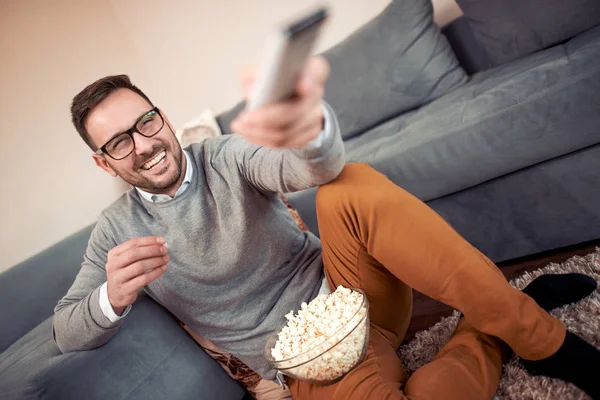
200 128
394 63
509 29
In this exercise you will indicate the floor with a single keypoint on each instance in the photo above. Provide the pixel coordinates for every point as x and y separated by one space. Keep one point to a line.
427 311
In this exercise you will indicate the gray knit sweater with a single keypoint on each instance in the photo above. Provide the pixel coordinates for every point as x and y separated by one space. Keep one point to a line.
238 261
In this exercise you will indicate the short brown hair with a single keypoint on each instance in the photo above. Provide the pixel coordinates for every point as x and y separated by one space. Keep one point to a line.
92 95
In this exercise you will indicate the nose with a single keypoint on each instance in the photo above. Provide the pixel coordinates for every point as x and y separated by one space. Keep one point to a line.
143 145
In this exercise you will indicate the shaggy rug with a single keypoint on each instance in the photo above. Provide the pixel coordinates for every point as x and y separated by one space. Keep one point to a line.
582 318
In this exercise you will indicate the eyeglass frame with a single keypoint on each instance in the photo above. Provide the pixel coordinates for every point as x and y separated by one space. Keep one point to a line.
129 132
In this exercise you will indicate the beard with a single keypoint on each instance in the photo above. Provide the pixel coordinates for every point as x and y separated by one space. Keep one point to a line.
142 179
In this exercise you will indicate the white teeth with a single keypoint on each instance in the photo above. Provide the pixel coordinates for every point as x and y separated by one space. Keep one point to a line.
159 157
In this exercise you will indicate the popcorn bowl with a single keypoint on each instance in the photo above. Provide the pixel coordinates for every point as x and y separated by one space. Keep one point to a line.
331 359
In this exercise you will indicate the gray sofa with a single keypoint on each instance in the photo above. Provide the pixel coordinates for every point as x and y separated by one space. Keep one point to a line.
508 155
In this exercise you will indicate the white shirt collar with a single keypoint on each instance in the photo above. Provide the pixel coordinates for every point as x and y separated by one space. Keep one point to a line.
158 198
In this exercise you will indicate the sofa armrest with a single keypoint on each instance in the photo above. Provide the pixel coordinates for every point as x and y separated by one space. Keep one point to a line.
30 290
151 357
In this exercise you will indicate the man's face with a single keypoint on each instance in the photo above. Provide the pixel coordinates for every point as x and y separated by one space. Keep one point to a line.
118 113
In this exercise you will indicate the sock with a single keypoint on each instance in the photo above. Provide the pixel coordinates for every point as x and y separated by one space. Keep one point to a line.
556 290
576 361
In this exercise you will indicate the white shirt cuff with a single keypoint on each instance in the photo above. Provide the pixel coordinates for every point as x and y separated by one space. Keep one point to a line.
317 142
106 307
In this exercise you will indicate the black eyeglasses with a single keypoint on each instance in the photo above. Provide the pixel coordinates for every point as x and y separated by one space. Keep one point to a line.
123 144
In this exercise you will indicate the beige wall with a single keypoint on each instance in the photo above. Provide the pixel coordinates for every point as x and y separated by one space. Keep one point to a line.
184 53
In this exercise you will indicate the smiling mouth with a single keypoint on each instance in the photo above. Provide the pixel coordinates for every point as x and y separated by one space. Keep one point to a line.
155 162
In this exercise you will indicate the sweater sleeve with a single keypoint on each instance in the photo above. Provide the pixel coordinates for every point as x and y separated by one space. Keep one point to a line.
289 170
79 323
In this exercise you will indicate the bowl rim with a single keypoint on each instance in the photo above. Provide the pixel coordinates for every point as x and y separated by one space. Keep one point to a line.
363 304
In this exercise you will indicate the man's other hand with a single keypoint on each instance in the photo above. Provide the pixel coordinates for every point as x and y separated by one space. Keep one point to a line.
131 266
290 123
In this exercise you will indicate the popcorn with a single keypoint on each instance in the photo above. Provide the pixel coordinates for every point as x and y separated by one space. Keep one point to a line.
319 326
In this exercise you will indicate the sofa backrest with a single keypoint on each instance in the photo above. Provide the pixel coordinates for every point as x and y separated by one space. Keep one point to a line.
30 290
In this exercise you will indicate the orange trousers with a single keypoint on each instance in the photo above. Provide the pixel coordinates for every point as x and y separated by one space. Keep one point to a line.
378 237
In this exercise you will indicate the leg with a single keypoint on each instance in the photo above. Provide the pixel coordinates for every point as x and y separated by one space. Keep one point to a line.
381 376
469 366
420 249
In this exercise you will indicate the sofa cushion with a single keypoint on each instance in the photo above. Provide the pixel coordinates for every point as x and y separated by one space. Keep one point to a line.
509 29
393 63
151 357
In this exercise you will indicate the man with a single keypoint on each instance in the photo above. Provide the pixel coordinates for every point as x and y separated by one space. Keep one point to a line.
205 234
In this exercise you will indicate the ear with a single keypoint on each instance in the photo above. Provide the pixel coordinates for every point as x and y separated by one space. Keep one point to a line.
101 162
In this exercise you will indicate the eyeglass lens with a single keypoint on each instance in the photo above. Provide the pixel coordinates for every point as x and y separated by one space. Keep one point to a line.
149 125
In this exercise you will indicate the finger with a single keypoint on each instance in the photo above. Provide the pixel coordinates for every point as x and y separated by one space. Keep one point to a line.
298 133
137 242
142 280
286 130
306 130
136 254
272 138
141 267
315 73
259 139
281 114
